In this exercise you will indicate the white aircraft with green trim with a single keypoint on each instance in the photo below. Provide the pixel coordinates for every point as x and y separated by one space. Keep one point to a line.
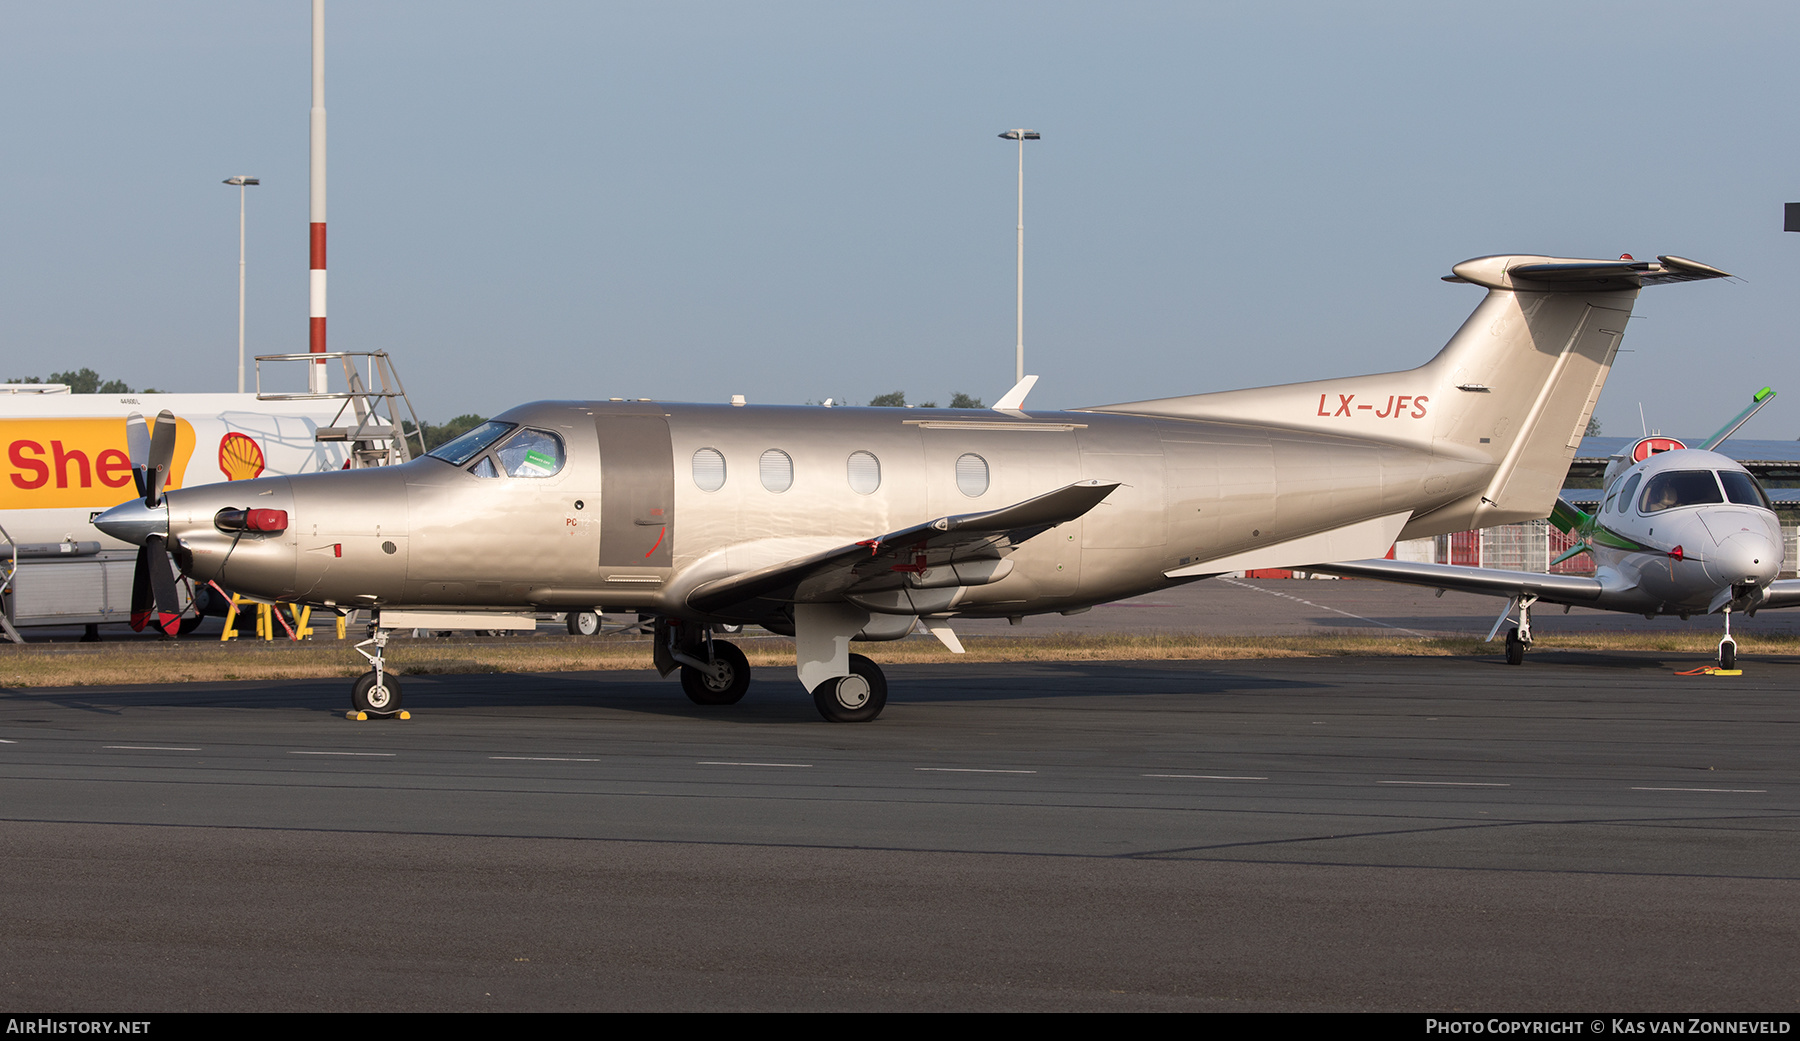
1680 531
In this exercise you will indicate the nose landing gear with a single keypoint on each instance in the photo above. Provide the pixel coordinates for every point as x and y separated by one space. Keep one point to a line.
1727 646
375 692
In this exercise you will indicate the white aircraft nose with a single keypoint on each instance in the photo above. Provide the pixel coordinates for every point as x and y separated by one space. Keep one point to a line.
1747 557
134 522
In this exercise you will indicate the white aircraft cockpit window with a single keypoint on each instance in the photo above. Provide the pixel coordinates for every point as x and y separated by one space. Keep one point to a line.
1677 488
532 453
485 468
971 475
1621 500
777 470
709 469
1742 489
471 444
864 471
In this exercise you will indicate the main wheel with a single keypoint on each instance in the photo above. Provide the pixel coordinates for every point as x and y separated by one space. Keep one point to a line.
1728 654
856 698
369 696
583 623
1515 648
703 688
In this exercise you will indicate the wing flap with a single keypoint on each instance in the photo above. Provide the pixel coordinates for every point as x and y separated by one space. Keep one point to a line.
830 574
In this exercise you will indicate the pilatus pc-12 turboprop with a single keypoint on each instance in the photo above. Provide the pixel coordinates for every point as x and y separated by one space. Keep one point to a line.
1680 531
835 524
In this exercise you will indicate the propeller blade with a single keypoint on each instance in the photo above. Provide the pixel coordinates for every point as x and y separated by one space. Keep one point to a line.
137 445
162 454
155 558
143 599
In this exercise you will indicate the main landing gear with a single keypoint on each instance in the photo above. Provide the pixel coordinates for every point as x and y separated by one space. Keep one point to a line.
856 698
721 681
1518 638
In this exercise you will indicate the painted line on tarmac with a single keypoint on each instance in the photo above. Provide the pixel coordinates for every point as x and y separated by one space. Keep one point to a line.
150 748
967 770
1743 791
793 766
1451 784
1207 777
344 753
1322 607
541 759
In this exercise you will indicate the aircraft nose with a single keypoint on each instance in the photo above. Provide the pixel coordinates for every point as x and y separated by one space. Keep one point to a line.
1748 557
134 522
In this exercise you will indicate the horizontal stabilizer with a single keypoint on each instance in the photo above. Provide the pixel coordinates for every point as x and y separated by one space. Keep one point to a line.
828 576
1567 518
1363 539
1487 581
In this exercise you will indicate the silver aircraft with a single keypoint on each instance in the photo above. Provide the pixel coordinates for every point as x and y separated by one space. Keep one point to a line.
1680 531
834 524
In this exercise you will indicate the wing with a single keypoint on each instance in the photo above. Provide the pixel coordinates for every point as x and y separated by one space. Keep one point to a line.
1781 593
888 561
1489 581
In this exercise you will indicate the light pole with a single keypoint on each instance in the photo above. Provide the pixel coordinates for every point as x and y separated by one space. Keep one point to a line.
1021 136
242 183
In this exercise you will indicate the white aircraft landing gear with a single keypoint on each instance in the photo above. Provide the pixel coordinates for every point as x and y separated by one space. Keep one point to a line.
1518 638
375 692
720 681
1727 646
856 698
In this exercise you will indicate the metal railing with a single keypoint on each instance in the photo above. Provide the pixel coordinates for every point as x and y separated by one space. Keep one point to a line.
372 398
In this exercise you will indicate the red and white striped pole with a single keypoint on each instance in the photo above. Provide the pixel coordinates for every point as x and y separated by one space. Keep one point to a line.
316 371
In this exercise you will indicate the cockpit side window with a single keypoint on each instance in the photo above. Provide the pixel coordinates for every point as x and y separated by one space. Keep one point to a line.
1622 499
1742 488
471 444
1677 488
532 453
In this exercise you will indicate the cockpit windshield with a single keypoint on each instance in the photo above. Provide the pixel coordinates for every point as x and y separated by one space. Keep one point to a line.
1676 488
471 444
1742 488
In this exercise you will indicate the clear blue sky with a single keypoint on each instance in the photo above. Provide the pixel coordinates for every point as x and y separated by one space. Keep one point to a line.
794 201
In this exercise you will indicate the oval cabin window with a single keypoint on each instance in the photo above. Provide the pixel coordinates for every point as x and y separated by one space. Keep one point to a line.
709 470
777 470
864 472
972 475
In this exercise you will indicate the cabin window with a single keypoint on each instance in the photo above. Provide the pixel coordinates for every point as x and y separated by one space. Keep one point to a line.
1677 488
532 453
1742 489
709 469
971 475
777 469
470 444
864 472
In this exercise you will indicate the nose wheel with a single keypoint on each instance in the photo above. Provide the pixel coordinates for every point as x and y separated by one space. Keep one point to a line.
376 692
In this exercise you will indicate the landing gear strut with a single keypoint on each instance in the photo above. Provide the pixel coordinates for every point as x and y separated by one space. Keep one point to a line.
375 692
1728 646
1518 638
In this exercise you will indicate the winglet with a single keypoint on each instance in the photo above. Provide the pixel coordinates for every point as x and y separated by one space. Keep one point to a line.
1014 399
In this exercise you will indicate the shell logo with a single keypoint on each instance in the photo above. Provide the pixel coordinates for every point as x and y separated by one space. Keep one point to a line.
240 457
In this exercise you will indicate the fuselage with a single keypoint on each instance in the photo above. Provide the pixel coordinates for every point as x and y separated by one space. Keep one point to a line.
1682 532
632 505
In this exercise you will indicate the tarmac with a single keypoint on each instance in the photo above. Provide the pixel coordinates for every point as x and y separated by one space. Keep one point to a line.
1586 832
